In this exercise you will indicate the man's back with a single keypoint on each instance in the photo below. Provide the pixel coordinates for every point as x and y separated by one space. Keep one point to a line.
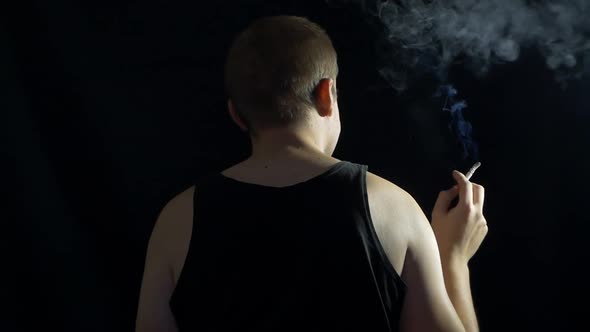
334 245
298 256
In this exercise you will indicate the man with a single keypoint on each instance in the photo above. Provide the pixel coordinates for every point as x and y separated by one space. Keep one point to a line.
293 239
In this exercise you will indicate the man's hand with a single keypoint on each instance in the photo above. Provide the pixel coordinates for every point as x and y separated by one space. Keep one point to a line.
460 230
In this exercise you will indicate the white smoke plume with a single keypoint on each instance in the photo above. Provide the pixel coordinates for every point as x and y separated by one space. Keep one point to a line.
426 37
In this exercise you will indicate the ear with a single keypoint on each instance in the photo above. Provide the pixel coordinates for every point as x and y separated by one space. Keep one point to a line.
324 99
235 116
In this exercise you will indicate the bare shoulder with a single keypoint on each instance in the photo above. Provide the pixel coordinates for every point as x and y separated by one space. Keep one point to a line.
166 249
177 212
393 198
181 201
384 186
173 229
393 213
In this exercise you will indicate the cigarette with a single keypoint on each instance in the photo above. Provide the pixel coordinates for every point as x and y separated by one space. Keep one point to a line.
474 168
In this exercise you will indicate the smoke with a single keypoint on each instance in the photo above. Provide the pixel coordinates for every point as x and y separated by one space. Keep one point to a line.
428 36
458 126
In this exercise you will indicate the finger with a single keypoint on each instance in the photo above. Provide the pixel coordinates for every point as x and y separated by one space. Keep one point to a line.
465 188
441 206
478 194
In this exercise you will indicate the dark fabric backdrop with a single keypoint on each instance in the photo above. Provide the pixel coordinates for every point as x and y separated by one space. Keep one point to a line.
110 108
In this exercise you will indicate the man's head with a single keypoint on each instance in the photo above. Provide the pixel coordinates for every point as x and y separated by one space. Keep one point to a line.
281 73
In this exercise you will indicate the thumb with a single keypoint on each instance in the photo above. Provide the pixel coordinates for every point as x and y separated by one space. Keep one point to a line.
441 206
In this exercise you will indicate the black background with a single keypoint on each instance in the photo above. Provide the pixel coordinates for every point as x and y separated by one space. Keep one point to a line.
110 108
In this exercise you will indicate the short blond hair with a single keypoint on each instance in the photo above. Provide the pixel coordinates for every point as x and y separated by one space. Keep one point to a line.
273 68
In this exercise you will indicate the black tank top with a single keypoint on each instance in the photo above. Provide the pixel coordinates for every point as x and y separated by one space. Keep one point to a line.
299 258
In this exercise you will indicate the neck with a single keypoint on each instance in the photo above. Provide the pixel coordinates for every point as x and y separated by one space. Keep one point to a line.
280 144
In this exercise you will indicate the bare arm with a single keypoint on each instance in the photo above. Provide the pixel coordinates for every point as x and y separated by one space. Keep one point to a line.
459 232
459 289
168 243
427 305
438 294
